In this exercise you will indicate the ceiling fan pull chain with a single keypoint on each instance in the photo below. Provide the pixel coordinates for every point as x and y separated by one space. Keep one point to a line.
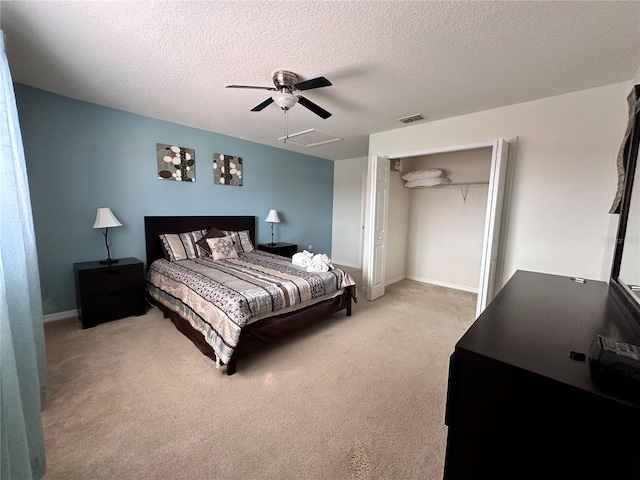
286 126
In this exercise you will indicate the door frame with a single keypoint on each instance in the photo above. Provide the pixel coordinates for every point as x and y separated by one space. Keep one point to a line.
497 184
374 258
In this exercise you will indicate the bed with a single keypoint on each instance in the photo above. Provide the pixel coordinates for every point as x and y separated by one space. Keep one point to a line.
225 336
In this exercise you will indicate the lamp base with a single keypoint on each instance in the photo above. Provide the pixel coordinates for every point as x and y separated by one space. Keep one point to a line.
108 261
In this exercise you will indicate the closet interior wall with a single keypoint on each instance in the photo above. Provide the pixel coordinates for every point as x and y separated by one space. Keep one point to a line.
435 234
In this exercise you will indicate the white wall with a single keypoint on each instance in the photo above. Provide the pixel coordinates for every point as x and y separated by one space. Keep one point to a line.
397 228
348 176
446 231
562 168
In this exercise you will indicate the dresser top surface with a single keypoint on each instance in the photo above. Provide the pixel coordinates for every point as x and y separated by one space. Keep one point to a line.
538 319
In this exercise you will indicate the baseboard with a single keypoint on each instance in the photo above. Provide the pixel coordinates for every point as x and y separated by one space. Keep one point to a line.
345 264
54 317
394 280
464 288
363 287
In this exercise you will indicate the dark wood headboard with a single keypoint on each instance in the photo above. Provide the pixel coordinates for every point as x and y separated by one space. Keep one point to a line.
156 226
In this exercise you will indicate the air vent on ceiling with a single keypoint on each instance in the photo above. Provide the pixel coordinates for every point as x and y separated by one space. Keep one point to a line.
412 118
309 138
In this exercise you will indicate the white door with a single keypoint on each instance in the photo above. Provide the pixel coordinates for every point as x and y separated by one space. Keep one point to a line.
375 226
490 245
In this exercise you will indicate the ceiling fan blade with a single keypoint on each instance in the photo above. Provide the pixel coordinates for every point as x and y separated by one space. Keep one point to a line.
305 102
266 103
313 83
251 86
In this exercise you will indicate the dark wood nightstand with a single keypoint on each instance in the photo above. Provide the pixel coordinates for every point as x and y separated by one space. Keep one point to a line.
280 248
106 292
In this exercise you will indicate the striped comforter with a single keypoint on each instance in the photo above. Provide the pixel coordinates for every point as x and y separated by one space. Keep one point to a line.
218 298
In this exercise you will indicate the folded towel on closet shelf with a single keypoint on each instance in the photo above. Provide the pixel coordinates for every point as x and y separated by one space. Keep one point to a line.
320 263
302 259
428 182
418 174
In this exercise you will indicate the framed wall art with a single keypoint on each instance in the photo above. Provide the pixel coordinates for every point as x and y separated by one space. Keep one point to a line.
176 163
227 170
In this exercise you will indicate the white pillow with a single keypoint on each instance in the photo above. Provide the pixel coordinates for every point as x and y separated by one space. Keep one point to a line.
418 174
428 182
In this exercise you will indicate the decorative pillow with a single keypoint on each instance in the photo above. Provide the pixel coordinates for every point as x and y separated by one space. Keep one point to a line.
222 248
212 233
182 246
428 182
418 174
241 240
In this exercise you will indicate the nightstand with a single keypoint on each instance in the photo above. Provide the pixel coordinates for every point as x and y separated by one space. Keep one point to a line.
280 248
106 292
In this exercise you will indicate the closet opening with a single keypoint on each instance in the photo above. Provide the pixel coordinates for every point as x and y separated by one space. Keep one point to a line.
445 234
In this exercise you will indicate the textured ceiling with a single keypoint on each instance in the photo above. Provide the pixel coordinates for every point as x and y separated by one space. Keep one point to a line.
171 60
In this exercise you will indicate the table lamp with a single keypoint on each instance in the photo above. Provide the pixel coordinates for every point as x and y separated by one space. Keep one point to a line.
106 219
272 218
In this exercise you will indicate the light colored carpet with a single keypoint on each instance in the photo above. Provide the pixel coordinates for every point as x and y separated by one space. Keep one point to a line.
359 397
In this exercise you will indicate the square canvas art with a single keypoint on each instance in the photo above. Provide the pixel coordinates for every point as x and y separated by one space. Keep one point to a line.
176 163
227 170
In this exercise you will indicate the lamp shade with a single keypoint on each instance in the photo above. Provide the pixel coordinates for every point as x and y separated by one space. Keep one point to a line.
284 100
106 219
272 217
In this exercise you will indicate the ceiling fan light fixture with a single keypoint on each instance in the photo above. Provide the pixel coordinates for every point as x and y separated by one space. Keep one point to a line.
284 100
284 84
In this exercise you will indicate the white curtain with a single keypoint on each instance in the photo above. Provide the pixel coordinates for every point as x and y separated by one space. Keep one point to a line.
22 355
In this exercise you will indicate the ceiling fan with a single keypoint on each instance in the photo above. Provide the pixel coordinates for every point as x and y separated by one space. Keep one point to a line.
286 84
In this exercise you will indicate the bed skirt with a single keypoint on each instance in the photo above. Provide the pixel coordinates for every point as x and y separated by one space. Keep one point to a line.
267 330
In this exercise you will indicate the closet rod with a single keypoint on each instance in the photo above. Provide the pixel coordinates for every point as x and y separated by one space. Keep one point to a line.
456 184
460 184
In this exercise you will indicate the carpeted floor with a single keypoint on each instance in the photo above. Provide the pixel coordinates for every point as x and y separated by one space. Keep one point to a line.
359 397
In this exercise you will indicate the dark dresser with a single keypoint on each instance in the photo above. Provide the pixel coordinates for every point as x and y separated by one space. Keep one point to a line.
106 292
519 407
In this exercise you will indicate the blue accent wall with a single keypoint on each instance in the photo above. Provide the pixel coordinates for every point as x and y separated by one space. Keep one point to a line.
81 156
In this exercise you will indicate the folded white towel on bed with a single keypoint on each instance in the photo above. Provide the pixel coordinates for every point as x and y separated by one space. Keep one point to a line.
318 267
302 259
321 257
320 263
